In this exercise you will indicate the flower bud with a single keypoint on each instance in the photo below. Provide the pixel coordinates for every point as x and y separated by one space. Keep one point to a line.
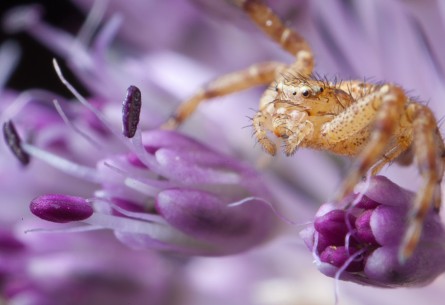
360 242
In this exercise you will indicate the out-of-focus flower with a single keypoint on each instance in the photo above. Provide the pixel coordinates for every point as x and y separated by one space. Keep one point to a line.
359 240
38 270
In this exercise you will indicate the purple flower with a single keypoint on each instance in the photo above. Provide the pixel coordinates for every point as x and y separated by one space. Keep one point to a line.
393 41
166 191
38 270
359 239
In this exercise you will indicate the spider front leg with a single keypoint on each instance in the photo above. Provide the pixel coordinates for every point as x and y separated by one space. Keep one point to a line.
429 151
273 26
379 110
255 75
298 129
260 123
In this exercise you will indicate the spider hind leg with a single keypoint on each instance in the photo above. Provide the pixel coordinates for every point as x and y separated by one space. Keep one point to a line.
429 151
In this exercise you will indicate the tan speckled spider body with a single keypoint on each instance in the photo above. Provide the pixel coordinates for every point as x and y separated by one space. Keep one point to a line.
374 123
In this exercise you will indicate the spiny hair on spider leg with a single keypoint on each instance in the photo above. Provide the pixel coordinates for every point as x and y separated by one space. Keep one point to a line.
440 121
284 146
426 103
366 80
249 117
252 109
247 126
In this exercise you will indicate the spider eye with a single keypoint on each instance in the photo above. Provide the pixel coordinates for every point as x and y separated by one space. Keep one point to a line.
294 93
305 93
321 90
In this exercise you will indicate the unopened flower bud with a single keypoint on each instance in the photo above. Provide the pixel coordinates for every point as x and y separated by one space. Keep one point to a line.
361 242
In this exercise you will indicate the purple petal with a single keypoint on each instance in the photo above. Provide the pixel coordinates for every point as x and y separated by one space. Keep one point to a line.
179 167
388 224
126 205
384 191
10 244
323 242
363 228
333 226
207 217
424 266
367 203
135 161
159 138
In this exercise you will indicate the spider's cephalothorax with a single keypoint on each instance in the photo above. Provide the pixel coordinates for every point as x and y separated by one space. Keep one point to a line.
375 124
295 109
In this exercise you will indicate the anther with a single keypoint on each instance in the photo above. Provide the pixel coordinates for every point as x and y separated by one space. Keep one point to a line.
131 109
13 140
61 208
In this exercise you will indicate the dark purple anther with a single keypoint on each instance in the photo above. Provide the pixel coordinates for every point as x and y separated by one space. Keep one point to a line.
13 140
61 208
131 109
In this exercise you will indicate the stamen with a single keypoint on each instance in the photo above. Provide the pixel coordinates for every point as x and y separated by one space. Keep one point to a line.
80 98
155 231
138 148
141 187
269 204
74 229
141 216
61 208
14 142
70 124
135 145
153 183
131 109
62 164
341 270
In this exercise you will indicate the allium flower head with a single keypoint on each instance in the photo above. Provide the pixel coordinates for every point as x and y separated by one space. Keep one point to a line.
359 239
164 191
